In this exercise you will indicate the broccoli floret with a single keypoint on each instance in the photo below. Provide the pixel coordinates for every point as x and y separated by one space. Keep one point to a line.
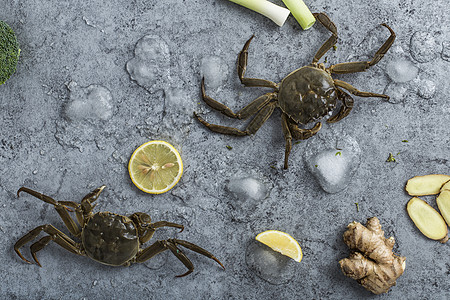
9 52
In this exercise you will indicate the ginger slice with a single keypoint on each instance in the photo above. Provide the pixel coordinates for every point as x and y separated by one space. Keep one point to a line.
427 220
372 262
446 186
426 185
443 203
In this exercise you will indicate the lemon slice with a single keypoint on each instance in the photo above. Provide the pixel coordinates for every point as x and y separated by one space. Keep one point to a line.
155 167
281 242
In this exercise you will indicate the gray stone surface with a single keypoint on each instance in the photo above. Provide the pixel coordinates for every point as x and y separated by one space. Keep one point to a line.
90 43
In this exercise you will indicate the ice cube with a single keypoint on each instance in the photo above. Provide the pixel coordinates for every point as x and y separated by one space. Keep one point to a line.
445 54
397 92
423 46
247 188
177 101
214 70
332 160
89 103
401 70
426 88
150 67
268 264
370 44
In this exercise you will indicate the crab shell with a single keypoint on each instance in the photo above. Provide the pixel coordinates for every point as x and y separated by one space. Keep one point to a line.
110 239
307 94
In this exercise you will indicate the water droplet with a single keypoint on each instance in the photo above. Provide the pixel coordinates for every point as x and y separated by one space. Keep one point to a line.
35 172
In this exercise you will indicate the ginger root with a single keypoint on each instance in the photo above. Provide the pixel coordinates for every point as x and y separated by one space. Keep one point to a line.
372 262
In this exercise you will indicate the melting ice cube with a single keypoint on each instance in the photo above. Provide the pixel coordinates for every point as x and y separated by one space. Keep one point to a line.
423 46
332 160
426 88
401 70
397 92
214 70
89 103
445 54
150 67
268 264
247 188
178 101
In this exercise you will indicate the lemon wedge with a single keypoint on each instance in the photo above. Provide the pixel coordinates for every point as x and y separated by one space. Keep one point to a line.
155 167
281 242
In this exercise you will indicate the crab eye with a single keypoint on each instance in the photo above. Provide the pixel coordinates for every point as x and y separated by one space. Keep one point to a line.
145 218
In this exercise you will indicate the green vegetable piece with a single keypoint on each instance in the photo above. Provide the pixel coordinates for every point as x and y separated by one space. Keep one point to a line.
391 158
338 153
301 13
272 11
229 147
9 52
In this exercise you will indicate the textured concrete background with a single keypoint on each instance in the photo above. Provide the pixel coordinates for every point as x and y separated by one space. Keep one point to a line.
89 43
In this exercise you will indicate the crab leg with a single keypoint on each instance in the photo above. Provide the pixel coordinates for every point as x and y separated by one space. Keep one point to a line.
60 208
292 131
252 128
360 66
355 91
347 105
93 196
54 235
287 137
328 24
245 112
242 67
260 118
220 128
84 210
152 228
171 244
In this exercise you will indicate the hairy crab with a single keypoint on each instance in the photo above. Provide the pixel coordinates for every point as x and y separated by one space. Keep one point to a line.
305 95
106 237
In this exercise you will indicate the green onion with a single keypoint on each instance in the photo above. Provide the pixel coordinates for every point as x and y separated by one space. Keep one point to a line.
301 13
272 11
